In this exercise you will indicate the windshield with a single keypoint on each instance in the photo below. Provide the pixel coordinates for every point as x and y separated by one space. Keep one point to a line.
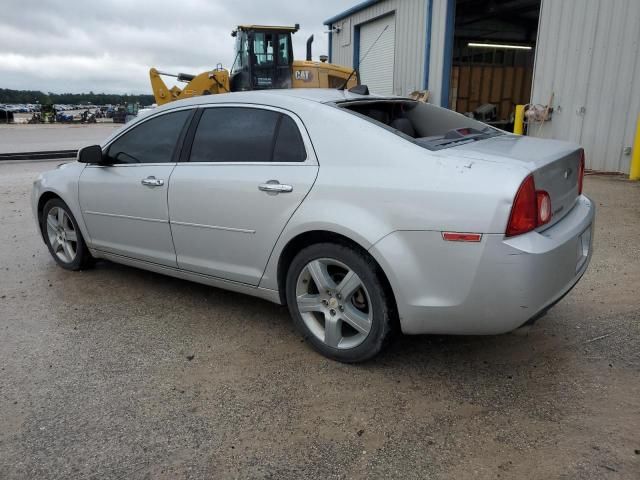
424 124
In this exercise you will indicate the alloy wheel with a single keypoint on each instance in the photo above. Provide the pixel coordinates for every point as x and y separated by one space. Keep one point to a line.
62 235
334 303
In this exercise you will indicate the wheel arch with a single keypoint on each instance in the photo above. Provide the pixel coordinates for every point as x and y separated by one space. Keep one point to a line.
67 193
305 239
42 201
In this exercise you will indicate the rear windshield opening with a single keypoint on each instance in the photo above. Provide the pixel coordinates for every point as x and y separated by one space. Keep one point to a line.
426 125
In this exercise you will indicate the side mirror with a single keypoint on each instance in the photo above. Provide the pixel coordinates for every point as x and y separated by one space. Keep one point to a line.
91 154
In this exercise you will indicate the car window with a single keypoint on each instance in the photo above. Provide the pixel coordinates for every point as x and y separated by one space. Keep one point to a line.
153 141
237 134
426 125
289 146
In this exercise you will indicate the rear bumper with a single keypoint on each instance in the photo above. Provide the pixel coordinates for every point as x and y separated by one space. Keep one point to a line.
489 287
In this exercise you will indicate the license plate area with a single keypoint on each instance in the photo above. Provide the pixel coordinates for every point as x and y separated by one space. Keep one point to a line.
583 247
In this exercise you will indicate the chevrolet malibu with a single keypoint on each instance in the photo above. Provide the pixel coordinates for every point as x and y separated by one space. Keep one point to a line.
363 214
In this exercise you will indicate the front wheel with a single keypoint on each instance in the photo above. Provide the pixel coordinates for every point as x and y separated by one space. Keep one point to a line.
63 237
338 302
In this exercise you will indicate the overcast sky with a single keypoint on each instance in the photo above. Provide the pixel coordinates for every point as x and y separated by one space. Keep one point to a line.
109 45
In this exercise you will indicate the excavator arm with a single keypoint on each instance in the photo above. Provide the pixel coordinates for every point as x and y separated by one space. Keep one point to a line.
206 83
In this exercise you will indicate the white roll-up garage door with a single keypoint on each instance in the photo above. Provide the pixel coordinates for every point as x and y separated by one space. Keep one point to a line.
376 71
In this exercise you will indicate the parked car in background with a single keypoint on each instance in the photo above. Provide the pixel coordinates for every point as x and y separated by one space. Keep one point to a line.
147 109
63 117
363 214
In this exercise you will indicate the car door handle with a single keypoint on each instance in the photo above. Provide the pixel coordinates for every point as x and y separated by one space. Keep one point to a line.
152 181
273 186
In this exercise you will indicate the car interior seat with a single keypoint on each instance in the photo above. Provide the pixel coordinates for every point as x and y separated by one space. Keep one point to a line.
378 115
404 125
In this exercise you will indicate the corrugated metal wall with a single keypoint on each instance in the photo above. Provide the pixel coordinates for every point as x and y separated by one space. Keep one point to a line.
588 56
410 40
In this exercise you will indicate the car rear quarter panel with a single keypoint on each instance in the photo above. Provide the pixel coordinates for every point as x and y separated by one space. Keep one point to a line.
371 182
489 287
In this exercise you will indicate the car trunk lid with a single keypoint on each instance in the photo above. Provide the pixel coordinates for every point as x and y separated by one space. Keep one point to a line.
555 165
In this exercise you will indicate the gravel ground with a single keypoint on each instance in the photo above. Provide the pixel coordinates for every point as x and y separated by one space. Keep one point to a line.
121 373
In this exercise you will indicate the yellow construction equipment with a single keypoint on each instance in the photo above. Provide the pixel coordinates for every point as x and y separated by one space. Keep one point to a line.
634 171
263 60
518 123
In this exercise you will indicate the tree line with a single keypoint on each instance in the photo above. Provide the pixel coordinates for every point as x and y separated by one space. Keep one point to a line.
35 96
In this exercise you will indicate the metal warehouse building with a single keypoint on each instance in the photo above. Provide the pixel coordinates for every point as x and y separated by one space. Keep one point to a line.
581 58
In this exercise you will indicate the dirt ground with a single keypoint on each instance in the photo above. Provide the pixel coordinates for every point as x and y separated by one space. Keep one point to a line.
120 373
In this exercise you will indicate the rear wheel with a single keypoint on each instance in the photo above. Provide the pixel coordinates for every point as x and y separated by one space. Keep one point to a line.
338 302
63 237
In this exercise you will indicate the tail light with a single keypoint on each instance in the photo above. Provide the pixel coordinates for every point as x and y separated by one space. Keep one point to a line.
531 209
544 207
581 172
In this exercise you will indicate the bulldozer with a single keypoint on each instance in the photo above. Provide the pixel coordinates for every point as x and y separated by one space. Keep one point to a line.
263 60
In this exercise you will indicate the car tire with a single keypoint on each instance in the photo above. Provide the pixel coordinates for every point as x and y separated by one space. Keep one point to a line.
346 319
63 237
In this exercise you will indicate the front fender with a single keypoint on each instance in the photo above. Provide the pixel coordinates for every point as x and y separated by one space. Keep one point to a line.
62 182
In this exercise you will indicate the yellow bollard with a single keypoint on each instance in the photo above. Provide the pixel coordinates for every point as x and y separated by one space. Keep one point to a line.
518 123
634 171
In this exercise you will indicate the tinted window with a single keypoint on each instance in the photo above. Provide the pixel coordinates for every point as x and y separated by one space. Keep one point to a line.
152 141
289 146
236 134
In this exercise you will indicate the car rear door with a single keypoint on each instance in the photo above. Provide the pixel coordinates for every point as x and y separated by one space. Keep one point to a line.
249 168
124 204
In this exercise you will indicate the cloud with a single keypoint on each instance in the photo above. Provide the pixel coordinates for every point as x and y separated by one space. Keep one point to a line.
109 45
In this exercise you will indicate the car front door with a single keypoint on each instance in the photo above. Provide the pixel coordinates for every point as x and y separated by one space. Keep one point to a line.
249 169
124 203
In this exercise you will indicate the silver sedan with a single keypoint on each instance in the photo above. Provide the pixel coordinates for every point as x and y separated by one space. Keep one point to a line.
365 215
